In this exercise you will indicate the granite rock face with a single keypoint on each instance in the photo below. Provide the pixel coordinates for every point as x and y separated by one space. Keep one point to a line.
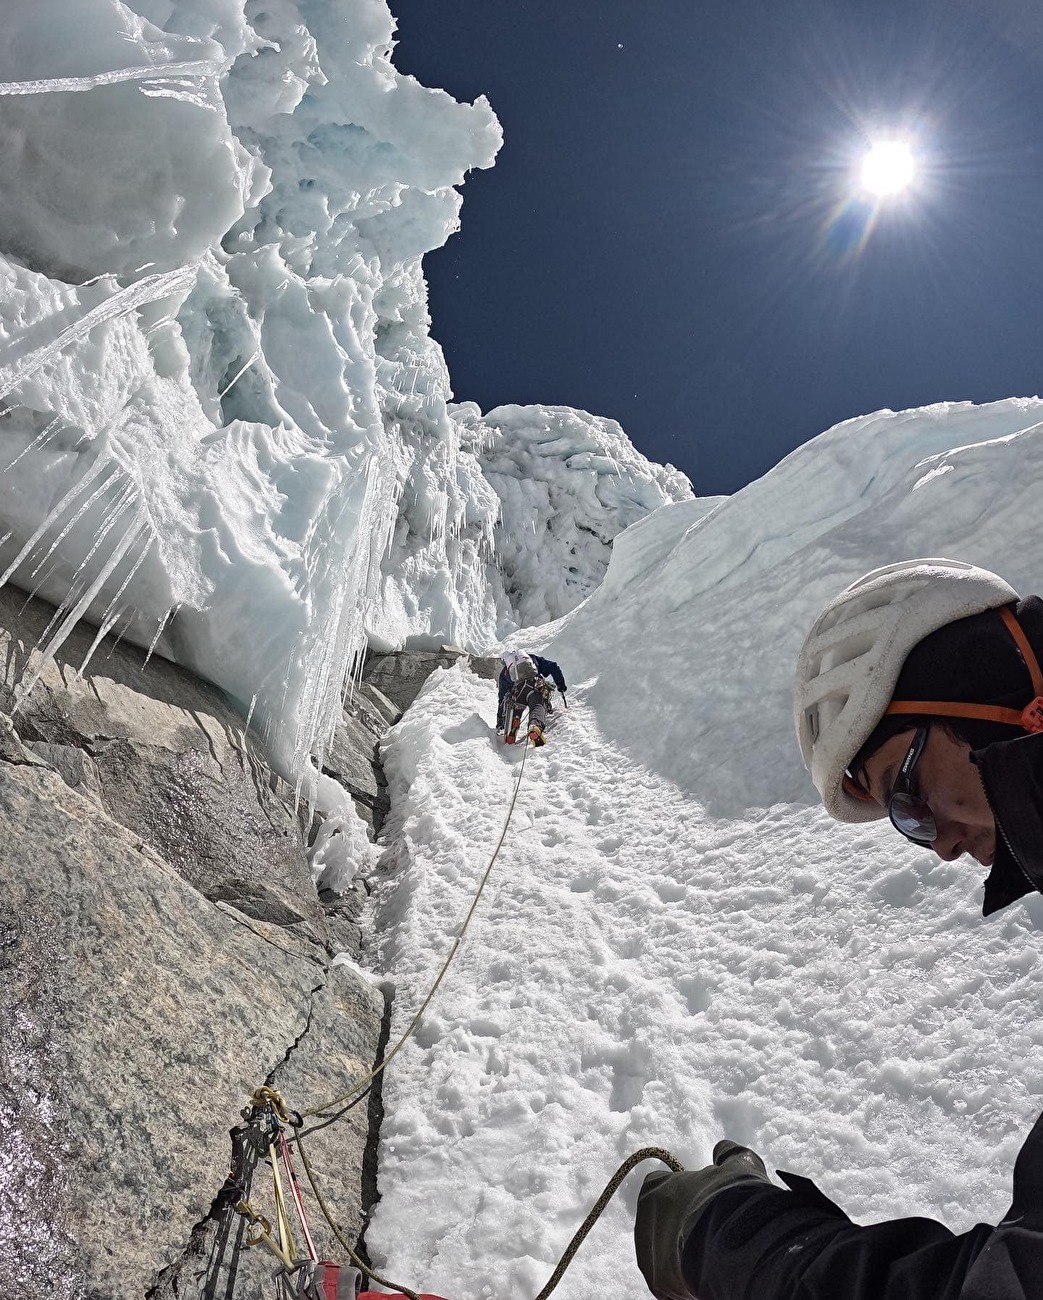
401 676
170 760
389 684
163 952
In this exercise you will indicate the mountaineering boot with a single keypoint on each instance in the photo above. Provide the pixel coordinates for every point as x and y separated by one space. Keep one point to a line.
511 734
536 735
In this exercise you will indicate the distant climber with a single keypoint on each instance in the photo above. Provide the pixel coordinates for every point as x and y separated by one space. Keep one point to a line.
523 685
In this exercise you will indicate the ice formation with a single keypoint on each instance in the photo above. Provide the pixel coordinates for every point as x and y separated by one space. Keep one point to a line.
226 430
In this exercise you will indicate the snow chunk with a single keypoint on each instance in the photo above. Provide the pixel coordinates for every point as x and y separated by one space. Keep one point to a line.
114 145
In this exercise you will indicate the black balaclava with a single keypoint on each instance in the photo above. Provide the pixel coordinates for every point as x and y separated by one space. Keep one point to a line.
973 661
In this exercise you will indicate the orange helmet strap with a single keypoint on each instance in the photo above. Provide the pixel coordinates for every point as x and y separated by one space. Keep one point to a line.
1030 718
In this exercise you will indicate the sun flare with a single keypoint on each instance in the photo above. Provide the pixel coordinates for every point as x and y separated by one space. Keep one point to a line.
888 168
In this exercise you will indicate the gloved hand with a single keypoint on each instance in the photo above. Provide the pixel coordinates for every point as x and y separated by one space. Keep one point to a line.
668 1206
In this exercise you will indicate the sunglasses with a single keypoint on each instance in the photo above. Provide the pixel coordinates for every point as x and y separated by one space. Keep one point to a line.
910 814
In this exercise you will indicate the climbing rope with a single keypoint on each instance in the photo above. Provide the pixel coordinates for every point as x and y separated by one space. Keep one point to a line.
335 1227
569 1253
611 1187
373 1074
270 1098
271 1116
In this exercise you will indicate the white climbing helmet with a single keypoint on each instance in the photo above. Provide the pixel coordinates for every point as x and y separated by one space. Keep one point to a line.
850 661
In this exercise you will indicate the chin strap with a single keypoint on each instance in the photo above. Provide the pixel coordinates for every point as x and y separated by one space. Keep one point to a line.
1030 718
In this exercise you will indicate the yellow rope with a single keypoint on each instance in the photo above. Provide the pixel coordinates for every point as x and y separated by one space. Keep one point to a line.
373 1074
578 1237
261 1095
646 1153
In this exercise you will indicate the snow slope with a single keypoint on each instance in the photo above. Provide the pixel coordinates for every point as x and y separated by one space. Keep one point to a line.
679 944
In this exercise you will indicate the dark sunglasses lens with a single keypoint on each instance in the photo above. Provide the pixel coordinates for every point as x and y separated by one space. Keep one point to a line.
913 818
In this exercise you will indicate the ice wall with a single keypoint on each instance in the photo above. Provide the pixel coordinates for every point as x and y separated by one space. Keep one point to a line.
224 427
543 493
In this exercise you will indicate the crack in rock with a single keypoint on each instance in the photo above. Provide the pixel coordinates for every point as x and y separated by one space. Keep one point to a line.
210 1262
269 1080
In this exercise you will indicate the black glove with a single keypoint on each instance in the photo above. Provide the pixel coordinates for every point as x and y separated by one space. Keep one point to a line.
668 1206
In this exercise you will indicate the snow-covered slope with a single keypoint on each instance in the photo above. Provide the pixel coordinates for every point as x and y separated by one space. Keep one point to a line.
225 427
679 944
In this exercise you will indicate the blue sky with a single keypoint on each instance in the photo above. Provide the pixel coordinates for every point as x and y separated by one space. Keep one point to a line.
668 236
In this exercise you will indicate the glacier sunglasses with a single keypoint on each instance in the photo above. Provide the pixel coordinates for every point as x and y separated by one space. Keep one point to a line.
910 814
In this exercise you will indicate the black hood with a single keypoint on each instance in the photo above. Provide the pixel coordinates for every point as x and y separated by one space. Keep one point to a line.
1012 774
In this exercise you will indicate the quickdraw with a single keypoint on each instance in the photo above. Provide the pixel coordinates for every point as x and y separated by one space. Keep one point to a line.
296 1278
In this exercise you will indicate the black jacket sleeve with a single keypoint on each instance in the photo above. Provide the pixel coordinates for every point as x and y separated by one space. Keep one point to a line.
764 1243
548 668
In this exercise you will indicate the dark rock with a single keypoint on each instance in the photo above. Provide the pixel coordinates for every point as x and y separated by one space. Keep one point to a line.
487 666
344 914
353 760
173 761
379 702
76 767
401 676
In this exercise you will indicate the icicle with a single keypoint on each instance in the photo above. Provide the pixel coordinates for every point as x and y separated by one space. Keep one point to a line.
80 579
73 616
37 586
38 441
76 586
66 501
73 594
147 72
113 511
120 303
229 387
123 630
109 619
159 632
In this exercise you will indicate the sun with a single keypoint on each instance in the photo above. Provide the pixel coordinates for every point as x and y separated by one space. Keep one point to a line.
888 168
